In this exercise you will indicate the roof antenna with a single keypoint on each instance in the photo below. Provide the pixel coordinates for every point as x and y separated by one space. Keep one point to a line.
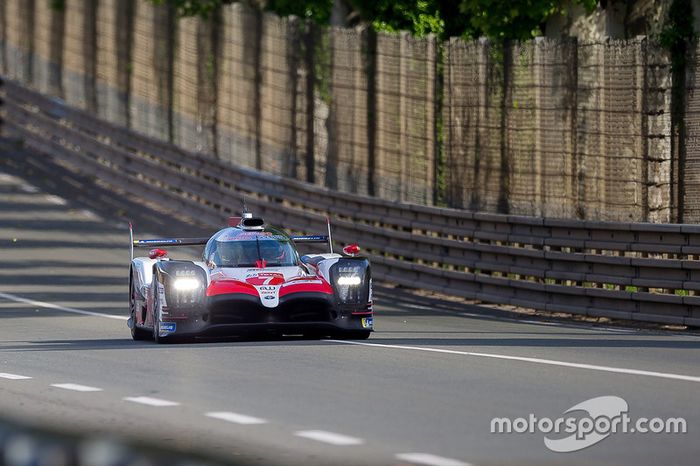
246 213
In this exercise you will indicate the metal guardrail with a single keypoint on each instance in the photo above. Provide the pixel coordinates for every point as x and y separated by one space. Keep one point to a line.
635 271
23 444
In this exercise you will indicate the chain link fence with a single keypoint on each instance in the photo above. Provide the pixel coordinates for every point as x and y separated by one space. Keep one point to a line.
152 71
237 105
546 127
555 128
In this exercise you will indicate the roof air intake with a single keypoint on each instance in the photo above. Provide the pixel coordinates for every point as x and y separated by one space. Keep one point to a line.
252 223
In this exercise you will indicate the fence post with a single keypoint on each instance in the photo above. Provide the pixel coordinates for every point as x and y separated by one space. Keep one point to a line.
540 199
90 40
126 11
370 37
208 40
403 123
642 57
575 179
2 103
506 102
289 164
257 65
309 64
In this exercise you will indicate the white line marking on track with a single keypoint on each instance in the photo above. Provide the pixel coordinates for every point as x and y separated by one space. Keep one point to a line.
5 375
20 299
329 437
550 362
236 418
147 400
76 387
429 460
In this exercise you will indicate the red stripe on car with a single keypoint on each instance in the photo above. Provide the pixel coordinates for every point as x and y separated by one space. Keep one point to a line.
230 286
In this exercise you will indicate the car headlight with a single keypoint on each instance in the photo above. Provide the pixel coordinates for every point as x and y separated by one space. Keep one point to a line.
349 280
186 284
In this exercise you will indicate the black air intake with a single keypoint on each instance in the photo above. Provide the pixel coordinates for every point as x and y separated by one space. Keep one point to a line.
253 222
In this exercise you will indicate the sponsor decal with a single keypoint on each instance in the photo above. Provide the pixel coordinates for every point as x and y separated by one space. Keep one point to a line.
310 238
166 328
269 295
265 278
349 270
238 235
150 241
367 322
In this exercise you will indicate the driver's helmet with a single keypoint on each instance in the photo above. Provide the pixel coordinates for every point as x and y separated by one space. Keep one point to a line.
233 253
272 251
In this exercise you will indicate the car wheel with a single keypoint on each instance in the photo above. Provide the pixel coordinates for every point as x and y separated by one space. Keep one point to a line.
136 332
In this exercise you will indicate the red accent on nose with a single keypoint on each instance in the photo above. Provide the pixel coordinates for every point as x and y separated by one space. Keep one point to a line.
157 253
261 264
351 249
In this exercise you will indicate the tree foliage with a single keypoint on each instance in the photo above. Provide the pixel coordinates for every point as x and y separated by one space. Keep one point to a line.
193 7
504 19
679 31
496 19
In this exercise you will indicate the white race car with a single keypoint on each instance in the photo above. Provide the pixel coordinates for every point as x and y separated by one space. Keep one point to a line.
250 279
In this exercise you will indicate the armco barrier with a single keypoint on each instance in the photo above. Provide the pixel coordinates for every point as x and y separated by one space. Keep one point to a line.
37 444
645 272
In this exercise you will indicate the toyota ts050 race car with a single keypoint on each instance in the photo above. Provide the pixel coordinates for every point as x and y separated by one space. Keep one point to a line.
251 278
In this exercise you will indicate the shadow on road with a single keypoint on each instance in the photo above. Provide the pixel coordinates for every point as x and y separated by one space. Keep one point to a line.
465 344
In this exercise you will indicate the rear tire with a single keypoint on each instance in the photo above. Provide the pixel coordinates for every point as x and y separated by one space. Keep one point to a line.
137 334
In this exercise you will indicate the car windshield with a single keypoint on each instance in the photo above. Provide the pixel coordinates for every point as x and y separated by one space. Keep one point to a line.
275 253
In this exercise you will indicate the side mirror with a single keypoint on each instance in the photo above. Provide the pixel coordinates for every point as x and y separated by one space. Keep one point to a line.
351 250
157 253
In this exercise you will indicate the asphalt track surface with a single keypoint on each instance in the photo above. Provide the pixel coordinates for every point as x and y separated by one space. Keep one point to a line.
422 390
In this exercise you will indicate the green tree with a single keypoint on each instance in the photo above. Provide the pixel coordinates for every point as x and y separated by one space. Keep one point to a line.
318 10
496 19
506 19
193 7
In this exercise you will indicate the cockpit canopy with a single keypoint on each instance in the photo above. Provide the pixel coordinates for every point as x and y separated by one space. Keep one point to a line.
234 247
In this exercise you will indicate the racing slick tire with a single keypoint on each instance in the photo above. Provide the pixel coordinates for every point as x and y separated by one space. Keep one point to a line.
137 334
